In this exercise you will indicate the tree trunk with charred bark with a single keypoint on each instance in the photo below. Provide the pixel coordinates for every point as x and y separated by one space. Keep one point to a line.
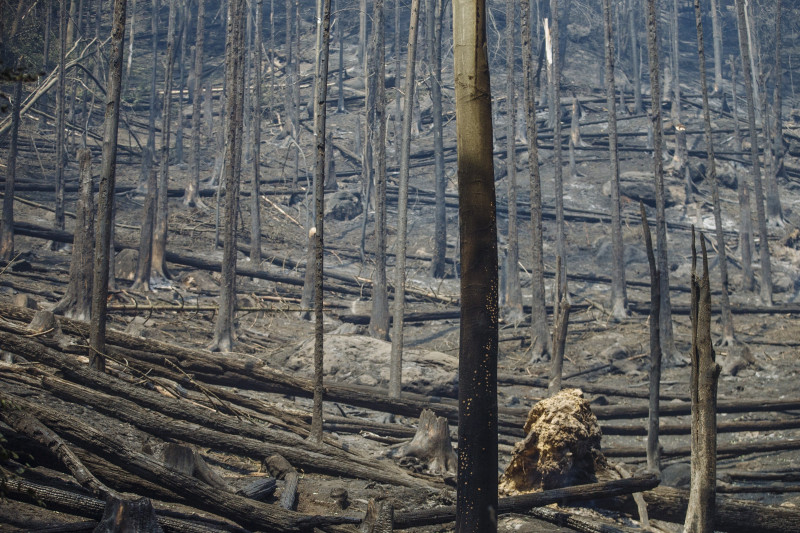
191 196
60 125
255 200
7 235
440 212
144 265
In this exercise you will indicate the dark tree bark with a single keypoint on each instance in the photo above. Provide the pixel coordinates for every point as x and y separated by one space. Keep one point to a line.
774 210
633 33
555 110
476 501
191 196
512 304
234 109
362 33
144 266
76 302
396 363
705 373
148 154
755 165
7 234
320 119
619 298
255 200
541 346
440 212
746 244
653 448
183 29
728 337
716 32
667 339
97 336
340 108
162 213
379 319
60 125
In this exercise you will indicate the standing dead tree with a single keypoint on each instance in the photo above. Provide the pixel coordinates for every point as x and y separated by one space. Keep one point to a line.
7 235
191 196
653 448
60 125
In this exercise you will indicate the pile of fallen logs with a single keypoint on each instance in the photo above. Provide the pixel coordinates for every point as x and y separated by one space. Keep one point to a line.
180 401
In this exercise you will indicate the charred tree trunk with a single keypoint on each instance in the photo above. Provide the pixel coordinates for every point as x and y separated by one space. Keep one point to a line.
191 196
234 109
145 263
653 447
76 302
379 319
716 32
555 105
476 500
183 28
728 337
619 298
440 212
255 200
774 210
60 116
162 213
700 514
97 336
7 236
148 154
541 346
755 166
633 32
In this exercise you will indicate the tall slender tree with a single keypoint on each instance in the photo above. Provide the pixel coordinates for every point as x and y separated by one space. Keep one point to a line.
440 212
234 108
60 118
619 298
255 200
513 289
162 214
774 209
105 207
476 500
667 338
191 195
555 105
755 165
541 345
716 33
148 154
725 305
7 234
396 366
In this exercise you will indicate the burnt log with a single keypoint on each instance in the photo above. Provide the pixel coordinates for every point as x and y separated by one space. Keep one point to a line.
279 467
128 515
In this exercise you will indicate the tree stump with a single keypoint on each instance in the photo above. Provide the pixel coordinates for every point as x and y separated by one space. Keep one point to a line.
431 444
128 516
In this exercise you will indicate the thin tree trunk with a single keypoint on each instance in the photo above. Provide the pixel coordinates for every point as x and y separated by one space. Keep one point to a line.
97 334
362 33
728 336
184 26
76 302
637 65
653 448
476 500
440 212
130 41
145 263
234 109
746 244
513 290
191 195
320 118
774 210
396 363
541 346
255 200
555 103
7 235
379 319
755 168
667 339
716 32
619 298
700 513
340 41
60 125
148 154
162 214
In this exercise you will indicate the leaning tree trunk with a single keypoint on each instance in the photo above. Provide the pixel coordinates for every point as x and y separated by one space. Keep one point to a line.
396 362
162 215
7 235
725 305
76 302
97 334
541 346
513 290
191 195
320 118
234 108
379 319
619 299
440 212
667 339
476 501
755 168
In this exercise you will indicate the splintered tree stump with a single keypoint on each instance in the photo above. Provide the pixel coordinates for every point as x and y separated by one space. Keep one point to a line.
431 444
379 518
135 516
561 447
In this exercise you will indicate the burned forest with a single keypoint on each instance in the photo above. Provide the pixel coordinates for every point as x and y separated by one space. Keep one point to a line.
352 266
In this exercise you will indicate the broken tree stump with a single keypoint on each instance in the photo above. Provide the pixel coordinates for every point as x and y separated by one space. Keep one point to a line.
431 444
128 515
279 467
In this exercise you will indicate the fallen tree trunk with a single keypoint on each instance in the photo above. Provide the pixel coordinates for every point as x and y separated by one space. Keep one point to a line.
239 509
732 515
521 503
722 427
741 448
